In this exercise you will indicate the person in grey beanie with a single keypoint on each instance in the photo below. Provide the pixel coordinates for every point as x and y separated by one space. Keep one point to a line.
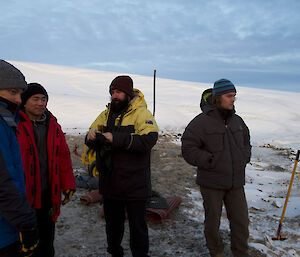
18 232
217 142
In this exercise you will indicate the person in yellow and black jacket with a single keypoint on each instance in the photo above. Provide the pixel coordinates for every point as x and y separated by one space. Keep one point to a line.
123 136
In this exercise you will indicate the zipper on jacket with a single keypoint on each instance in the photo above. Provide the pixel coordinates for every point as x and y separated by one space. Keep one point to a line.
31 150
53 147
227 132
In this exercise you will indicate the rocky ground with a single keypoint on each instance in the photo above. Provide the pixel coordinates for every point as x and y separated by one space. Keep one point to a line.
80 231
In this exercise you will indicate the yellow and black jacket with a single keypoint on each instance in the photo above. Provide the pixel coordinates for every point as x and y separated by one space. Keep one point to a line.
124 165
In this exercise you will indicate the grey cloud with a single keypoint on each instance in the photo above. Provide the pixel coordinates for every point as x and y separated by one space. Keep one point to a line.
186 40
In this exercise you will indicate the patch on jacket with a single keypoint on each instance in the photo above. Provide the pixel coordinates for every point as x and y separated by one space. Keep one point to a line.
149 122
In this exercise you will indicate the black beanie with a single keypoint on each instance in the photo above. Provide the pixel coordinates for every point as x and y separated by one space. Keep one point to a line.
33 89
11 77
122 83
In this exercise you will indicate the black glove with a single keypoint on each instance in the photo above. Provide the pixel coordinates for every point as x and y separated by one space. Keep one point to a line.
29 240
68 195
100 139
97 143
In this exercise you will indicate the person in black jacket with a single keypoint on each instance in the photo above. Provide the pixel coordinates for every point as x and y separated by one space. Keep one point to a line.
217 141
17 219
123 136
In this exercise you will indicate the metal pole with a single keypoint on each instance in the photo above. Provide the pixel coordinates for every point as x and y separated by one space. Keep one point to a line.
278 237
154 93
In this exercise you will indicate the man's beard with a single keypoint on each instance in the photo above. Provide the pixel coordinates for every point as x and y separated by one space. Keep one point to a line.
118 105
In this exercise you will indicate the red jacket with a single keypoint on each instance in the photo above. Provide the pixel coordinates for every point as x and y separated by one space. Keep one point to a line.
61 175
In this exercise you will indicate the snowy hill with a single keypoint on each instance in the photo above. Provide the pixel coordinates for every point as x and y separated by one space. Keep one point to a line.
78 95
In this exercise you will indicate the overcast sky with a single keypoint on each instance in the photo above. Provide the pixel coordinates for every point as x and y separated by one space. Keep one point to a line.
253 43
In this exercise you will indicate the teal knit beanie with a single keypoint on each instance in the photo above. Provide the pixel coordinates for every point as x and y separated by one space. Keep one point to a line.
223 86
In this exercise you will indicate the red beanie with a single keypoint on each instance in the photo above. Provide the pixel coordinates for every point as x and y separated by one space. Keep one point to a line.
122 83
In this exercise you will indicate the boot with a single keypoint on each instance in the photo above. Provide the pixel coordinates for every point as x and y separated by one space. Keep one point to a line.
219 255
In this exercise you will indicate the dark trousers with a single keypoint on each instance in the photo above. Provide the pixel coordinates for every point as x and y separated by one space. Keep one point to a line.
12 250
46 228
114 213
237 214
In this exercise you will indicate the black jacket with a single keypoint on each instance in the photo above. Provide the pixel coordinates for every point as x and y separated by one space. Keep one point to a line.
220 151
124 165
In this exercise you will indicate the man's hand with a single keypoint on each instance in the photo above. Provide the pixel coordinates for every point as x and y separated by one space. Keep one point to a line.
91 134
68 195
108 136
29 240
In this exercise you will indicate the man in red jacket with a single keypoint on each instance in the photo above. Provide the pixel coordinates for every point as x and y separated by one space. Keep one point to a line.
47 163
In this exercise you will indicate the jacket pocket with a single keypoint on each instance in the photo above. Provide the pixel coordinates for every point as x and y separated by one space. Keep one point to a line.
214 140
214 144
238 135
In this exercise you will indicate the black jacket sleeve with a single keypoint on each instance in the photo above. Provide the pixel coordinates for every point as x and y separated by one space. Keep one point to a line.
247 145
192 146
134 142
14 207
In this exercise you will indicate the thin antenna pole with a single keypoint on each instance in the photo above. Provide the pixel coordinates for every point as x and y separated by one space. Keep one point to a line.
154 93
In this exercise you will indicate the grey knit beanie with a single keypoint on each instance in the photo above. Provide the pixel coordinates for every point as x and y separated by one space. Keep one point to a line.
11 77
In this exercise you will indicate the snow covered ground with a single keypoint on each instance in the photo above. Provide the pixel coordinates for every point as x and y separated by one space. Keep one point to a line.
76 97
268 177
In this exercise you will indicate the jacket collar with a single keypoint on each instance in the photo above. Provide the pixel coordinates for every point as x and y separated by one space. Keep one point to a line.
12 107
6 114
47 115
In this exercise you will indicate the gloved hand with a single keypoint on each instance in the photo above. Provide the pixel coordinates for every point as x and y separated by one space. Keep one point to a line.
68 195
29 240
100 139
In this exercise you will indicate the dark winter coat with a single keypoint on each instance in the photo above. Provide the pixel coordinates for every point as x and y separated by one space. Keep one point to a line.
124 165
15 212
220 151
60 169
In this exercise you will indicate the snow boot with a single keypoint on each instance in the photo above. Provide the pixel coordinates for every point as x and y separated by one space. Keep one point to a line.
219 255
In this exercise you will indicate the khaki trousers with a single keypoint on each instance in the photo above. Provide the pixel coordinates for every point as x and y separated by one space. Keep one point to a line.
237 213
